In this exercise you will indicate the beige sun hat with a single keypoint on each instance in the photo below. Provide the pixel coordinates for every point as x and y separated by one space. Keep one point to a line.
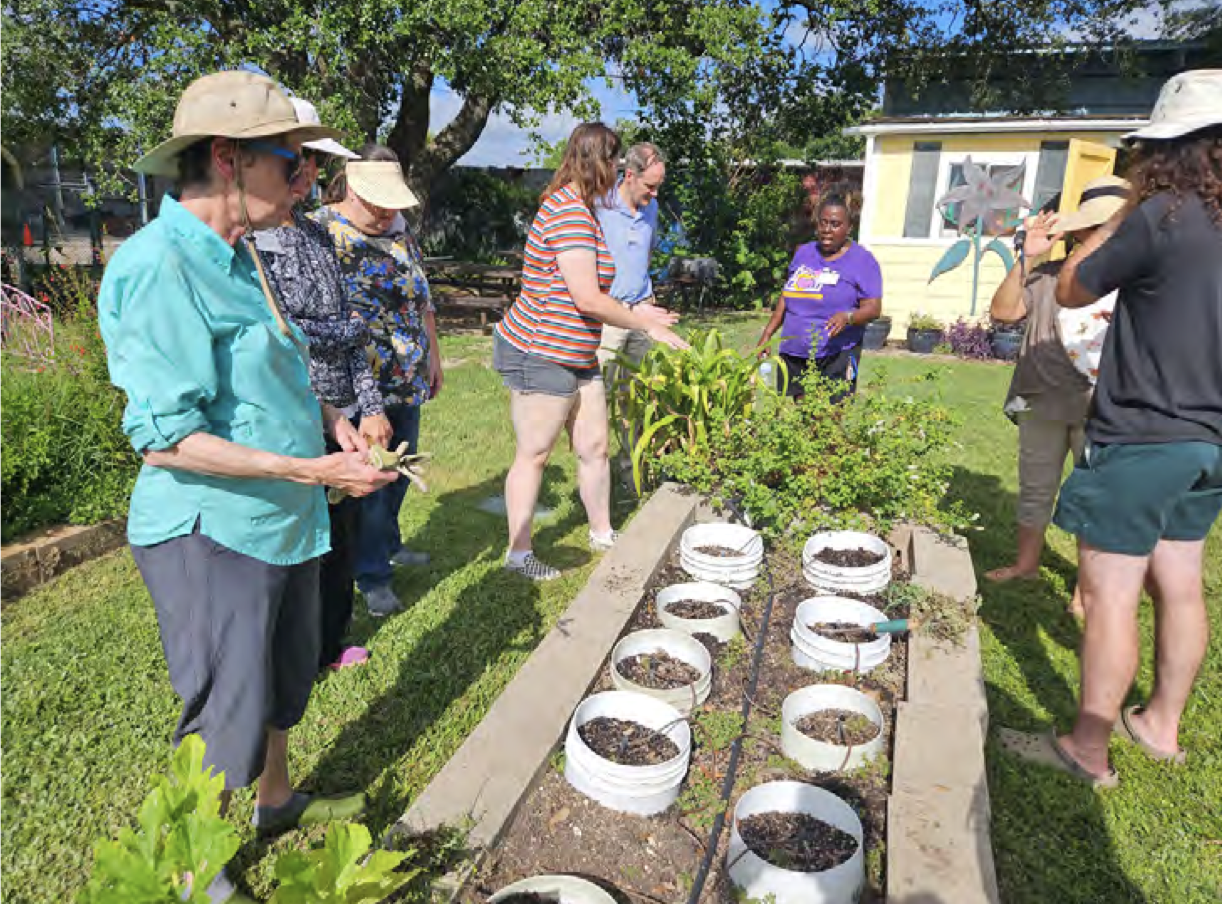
307 115
234 104
1189 101
380 182
1101 198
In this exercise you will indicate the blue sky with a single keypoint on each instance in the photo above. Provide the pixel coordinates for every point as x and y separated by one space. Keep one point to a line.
504 144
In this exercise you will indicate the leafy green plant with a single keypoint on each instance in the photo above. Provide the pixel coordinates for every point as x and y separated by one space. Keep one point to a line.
339 872
922 321
66 458
818 463
677 400
182 843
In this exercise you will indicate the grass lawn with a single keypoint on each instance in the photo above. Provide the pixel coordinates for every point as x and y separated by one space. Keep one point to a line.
88 710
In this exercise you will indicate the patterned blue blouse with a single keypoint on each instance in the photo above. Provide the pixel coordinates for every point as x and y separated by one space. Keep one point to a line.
384 276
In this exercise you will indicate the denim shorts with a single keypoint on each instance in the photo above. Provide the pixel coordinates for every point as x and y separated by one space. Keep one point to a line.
1124 498
524 372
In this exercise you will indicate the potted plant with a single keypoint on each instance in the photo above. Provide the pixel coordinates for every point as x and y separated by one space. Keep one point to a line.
1007 339
877 332
924 333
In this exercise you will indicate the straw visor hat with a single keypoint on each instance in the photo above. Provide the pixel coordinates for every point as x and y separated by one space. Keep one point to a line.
1100 199
235 104
381 183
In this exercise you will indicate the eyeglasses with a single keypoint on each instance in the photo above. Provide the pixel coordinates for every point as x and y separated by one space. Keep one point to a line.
292 161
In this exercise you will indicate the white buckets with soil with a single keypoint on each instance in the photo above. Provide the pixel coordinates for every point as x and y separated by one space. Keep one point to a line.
796 842
726 554
563 889
849 722
649 662
719 607
844 546
619 716
843 642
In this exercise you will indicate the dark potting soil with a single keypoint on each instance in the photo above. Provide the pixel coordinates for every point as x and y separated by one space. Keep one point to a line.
559 830
845 632
627 743
658 670
711 643
848 558
695 609
797 841
531 897
838 726
721 552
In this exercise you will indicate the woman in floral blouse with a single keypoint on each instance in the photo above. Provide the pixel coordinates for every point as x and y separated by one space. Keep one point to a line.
385 282
302 270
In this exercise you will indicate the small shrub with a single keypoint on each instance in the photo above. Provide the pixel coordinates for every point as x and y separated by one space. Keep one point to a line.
969 340
817 464
922 321
66 458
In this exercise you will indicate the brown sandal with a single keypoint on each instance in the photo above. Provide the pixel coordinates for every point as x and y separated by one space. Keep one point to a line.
1124 728
1046 750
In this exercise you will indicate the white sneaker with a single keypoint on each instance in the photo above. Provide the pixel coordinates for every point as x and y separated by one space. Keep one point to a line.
532 568
602 544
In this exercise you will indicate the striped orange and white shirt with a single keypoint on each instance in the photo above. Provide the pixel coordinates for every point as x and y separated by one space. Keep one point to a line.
544 321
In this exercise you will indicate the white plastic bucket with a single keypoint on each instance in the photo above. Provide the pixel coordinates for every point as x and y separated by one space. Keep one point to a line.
641 790
812 650
724 627
569 889
833 578
680 646
820 756
758 878
738 571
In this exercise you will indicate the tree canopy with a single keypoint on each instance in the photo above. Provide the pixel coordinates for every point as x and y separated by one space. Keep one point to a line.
101 77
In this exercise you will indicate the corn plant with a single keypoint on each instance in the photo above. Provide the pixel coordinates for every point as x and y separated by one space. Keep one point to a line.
674 399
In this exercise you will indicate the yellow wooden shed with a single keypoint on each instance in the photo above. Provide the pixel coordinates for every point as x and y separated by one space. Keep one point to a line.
912 162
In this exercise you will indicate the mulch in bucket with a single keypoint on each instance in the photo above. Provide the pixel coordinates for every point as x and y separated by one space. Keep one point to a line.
838 726
848 558
627 743
695 609
797 841
845 632
658 670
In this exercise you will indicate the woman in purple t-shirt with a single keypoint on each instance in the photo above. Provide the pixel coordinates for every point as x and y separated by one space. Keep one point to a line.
834 289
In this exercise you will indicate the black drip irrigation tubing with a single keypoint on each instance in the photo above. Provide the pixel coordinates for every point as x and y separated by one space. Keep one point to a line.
727 786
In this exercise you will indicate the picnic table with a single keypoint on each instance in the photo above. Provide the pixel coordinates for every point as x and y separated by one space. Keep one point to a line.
485 289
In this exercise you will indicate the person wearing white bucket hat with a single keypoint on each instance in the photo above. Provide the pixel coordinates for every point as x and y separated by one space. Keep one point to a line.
1050 391
1148 489
386 285
305 274
228 516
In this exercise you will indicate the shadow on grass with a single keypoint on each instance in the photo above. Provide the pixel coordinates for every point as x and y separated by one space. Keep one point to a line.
1051 838
492 612
1021 614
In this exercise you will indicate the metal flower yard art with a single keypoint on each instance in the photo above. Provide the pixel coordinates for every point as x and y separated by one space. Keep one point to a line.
981 201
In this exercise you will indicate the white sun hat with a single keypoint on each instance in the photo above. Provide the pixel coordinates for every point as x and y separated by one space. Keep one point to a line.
1189 101
307 115
380 182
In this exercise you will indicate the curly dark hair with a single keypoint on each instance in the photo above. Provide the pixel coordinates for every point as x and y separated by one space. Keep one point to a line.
1191 165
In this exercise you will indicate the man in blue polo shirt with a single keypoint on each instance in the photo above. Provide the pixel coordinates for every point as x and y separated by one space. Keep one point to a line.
629 220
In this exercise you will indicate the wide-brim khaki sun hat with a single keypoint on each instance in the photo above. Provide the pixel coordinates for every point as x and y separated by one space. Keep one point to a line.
1188 102
1100 200
381 183
235 104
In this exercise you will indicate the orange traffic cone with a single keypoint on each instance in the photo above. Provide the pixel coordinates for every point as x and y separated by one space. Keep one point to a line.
27 237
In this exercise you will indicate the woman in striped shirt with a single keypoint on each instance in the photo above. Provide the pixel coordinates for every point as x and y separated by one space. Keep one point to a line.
546 347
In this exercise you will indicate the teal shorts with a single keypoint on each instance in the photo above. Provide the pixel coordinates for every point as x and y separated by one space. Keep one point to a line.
1124 498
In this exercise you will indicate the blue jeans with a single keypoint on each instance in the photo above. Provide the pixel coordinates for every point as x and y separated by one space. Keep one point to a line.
377 527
